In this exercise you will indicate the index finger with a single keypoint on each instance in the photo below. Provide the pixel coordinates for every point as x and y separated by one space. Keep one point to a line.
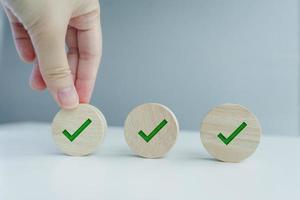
90 50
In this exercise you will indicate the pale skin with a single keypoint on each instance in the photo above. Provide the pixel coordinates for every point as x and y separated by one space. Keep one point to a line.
42 29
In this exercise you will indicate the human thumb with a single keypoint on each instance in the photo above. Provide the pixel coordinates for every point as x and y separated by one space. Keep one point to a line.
49 45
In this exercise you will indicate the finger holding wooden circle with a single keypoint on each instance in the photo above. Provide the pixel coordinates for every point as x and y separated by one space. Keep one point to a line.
79 131
151 130
230 132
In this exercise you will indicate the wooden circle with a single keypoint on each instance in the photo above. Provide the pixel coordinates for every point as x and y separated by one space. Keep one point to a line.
86 126
240 128
149 119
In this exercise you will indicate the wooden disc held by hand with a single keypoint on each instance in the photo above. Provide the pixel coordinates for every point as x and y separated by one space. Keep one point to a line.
79 131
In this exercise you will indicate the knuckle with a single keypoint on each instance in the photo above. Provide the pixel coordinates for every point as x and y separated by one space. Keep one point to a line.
56 73
87 55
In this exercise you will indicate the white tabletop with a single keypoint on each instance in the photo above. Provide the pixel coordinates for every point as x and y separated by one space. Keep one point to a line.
31 167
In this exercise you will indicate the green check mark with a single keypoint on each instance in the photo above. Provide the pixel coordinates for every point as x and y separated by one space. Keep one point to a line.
78 132
147 138
232 135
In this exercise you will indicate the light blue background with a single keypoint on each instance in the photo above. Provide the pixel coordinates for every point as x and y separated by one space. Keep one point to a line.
187 54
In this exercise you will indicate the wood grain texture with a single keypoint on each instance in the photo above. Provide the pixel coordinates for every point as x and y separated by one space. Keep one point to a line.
146 117
225 119
71 120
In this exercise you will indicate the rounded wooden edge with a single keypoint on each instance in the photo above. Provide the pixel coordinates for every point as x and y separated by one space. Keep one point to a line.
173 116
104 130
230 104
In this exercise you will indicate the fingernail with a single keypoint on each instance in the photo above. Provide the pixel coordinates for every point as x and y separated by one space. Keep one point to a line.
68 98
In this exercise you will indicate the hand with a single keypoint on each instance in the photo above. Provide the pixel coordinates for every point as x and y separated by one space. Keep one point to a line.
42 29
